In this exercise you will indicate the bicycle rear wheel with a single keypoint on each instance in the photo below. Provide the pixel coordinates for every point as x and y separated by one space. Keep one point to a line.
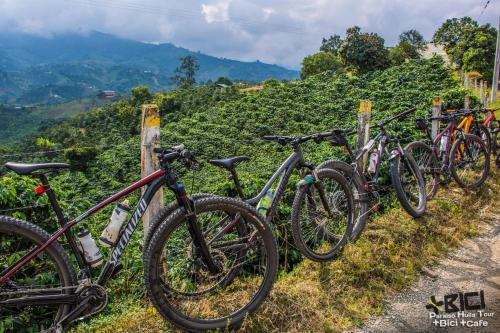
361 198
322 216
50 271
428 165
409 184
181 286
469 161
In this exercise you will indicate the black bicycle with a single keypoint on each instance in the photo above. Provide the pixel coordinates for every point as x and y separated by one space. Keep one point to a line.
406 177
322 211
209 263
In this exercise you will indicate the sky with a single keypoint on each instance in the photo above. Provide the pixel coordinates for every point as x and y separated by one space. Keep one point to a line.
273 31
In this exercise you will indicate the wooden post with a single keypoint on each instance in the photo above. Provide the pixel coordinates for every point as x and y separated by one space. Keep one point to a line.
485 98
466 81
150 138
436 112
364 114
481 92
467 102
496 68
475 86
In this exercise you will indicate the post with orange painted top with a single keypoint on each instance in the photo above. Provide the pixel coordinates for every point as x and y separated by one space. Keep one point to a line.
364 114
150 138
436 113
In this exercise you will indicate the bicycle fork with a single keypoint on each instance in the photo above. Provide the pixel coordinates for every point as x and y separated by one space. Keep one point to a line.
195 230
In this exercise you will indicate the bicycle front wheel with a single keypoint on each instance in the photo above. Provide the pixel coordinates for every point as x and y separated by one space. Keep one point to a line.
322 216
50 272
469 161
179 282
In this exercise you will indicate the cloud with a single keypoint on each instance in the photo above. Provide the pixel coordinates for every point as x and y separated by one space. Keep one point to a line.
275 31
217 12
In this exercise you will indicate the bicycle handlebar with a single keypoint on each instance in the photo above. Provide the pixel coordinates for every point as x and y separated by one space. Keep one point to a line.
401 116
174 153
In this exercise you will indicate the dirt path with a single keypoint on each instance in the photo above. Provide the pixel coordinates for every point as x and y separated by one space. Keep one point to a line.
475 267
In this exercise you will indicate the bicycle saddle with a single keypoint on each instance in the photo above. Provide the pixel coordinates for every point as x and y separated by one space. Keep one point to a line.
26 169
229 163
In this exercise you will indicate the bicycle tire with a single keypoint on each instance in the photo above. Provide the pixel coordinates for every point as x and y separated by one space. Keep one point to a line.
426 167
167 210
297 232
484 134
176 220
397 183
456 163
12 227
361 199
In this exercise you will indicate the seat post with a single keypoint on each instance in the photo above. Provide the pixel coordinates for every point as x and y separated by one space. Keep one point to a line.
62 221
239 189
52 199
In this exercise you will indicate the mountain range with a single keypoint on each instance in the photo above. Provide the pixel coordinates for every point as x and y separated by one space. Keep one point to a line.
37 70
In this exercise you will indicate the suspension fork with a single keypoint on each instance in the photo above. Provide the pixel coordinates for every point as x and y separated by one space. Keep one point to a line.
319 188
195 229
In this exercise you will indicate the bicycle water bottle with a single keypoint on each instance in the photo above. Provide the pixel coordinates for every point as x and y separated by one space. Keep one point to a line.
265 203
110 234
89 248
308 179
444 142
372 165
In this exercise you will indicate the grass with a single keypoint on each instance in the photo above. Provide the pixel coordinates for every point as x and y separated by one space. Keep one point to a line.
343 294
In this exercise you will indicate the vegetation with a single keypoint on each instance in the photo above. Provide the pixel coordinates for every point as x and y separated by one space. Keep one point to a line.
320 62
469 45
185 73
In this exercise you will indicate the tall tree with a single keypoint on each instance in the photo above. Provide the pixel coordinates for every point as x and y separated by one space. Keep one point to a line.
470 46
411 43
185 73
363 52
331 44
320 62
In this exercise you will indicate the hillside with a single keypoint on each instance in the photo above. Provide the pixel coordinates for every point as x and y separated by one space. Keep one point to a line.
103 145
73 66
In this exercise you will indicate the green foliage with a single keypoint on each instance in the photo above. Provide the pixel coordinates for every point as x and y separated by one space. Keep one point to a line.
411 42
140 95
470 46
332 44
320 62
185 73
363 52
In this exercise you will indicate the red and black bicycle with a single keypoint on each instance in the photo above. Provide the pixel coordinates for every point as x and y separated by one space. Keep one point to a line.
208 262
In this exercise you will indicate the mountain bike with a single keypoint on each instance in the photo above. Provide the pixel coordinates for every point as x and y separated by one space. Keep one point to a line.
471 125
466 160
322 210
406 177
208 265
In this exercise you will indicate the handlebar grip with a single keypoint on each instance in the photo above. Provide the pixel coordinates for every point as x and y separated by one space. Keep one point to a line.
269 137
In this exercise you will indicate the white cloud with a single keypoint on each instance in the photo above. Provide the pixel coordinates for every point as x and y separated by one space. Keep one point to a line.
275 31
217 12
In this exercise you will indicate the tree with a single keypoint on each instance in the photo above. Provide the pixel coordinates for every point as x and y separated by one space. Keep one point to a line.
331 44
320 62
410 44
140 95
414 38
185 73
363 52
470 46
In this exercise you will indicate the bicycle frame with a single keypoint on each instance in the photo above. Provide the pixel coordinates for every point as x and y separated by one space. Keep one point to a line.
153 183
295 160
